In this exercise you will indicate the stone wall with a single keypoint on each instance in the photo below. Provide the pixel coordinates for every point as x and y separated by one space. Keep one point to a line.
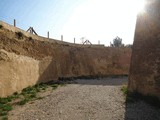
145 61
19 71
25 62
16 72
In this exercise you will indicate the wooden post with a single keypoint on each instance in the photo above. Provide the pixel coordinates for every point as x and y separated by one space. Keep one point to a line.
98 42
14 23
48 34
61 37
74 40
32 30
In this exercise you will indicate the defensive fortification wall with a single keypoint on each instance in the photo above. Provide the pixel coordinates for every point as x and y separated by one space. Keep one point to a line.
25 61
145 62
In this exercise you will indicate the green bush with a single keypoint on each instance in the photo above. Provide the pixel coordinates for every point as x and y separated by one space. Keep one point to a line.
7 107
3 113
1 26
24 101
4 118
15 93
19 35
54 86
27 94
124 89
30 38
5 100
33 95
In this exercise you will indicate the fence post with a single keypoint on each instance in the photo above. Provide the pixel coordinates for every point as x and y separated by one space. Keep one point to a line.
61 37
74 40
48 34
14 23
98 42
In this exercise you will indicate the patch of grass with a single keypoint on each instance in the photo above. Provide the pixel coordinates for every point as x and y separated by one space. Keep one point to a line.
4 118
24 101
1 26
54 86
26 95
30 93
28 90
33 95
4 109
62 84
14 96
39 98
4 100
19 35
3 113
124 89
126 93
41 86
7 107
7 99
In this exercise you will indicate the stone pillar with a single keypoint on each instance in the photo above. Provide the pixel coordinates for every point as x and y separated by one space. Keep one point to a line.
144 75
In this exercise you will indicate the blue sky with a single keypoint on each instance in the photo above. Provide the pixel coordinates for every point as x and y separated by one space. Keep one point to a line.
93 19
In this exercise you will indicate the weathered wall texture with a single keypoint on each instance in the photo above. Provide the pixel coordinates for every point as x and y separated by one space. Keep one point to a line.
16 72
25 62
145 62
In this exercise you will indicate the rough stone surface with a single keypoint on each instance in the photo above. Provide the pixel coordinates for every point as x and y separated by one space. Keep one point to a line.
29 61
16 72
145 62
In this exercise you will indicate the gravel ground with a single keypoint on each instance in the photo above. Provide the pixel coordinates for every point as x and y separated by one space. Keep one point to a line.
99 99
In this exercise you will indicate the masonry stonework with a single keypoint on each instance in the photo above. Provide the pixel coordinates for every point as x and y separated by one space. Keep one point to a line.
145 62
25 62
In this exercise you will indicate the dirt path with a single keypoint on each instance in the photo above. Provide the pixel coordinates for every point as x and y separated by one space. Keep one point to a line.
86 100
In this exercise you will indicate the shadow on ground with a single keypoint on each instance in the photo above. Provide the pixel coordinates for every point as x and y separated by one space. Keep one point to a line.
136 108
103 81
140 110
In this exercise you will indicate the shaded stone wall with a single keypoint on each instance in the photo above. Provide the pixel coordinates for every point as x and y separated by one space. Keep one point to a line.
145 61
